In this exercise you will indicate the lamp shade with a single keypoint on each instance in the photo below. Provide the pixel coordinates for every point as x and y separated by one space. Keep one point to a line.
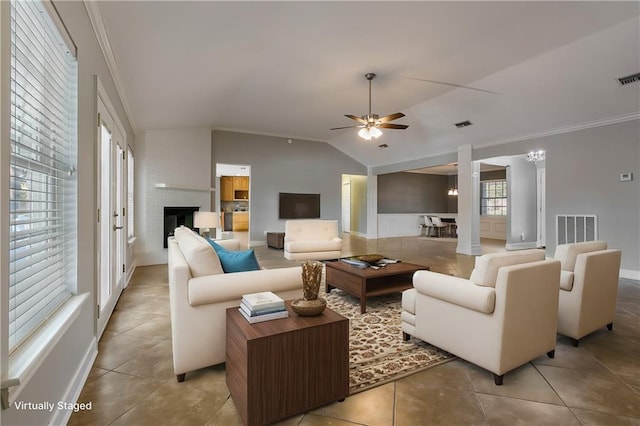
204 220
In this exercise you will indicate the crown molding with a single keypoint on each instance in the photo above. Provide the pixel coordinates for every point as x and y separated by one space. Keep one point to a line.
93 11
568 129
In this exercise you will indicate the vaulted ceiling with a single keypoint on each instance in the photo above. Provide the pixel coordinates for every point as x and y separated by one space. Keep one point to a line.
293 69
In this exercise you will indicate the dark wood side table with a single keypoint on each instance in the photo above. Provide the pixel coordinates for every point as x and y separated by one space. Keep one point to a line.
275 239
279 368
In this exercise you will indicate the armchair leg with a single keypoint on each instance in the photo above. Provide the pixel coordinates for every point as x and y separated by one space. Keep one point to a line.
575 342
610 326
406 336
498 379
551 354
180 377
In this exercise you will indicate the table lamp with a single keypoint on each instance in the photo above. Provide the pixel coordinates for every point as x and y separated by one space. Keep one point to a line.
205 221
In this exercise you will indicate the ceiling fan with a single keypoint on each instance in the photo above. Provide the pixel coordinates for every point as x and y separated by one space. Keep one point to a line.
371 124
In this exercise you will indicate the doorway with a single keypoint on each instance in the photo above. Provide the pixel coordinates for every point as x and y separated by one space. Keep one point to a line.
111 192
233 201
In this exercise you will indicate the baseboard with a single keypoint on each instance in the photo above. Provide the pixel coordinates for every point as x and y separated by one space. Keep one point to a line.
130 272
61 417
521 246
630 274
357 234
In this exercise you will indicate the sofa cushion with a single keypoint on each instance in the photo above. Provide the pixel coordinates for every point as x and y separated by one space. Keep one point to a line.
313 245
180 231
567 253
235 260
566 280
310 229
409 300
200 256
486 269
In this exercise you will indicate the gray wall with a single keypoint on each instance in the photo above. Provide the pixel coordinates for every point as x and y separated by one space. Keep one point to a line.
61 373
582 169
522 198
412 193
277 166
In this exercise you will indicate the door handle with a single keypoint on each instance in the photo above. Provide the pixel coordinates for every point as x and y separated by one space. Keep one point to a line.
115 228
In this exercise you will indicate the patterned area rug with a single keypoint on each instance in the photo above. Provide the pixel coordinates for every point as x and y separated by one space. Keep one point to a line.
377 353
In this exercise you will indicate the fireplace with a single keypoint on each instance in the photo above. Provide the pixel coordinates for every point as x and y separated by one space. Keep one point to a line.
176 216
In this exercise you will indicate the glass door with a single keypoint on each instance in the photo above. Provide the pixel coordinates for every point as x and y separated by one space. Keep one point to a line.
111 238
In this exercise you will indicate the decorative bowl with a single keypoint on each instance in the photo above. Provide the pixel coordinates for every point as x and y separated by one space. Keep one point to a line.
371 259
308 308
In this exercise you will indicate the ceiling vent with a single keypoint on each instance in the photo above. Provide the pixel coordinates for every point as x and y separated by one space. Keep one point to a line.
462 124
629 79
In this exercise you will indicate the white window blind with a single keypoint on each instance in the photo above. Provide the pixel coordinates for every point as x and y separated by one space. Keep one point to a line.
42 243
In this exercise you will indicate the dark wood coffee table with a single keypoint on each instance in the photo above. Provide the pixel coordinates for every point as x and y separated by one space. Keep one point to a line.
367 282
279 368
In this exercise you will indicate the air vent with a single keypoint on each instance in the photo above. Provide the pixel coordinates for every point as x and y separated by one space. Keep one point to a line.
629 79
384 145
462 124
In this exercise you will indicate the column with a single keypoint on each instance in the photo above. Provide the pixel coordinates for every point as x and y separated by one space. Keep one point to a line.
468 202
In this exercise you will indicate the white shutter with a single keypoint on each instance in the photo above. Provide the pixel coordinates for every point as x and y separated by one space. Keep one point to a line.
42 259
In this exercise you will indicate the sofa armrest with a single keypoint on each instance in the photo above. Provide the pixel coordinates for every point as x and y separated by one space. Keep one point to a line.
458 291
232 286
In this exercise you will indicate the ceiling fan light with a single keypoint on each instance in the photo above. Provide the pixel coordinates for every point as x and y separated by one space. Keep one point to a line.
375 132
364 134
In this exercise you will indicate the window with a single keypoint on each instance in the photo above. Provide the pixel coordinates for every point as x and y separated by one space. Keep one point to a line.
130 186
493 198
42 196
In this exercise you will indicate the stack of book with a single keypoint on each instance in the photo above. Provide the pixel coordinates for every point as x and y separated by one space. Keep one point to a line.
264 306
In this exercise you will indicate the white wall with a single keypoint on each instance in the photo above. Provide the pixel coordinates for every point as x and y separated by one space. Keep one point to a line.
493 227
175 157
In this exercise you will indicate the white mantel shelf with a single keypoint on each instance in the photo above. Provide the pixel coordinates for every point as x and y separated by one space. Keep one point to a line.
183 188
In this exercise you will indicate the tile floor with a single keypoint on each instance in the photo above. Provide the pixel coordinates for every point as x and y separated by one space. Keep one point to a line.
598 383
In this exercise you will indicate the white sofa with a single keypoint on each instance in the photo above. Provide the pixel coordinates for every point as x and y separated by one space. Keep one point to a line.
200 293
503 316
312 239
588 288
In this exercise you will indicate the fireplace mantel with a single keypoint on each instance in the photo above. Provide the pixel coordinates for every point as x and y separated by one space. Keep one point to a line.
183 187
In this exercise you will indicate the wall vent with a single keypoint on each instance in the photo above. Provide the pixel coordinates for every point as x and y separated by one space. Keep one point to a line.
463 124
629 79
576 228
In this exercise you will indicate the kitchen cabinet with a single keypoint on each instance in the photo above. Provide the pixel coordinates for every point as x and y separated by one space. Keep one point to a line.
241 183
226 188
240 221
234 188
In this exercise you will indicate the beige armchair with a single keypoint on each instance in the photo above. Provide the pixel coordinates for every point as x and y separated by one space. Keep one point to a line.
503 316
588 288
312 239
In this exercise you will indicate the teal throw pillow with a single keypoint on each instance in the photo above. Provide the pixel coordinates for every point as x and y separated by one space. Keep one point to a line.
235 261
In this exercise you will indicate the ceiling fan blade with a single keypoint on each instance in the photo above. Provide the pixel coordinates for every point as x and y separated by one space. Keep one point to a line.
390 117
358 119
348 127
392 126
452 85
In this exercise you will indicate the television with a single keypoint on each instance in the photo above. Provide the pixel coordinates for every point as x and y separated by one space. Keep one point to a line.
299 206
